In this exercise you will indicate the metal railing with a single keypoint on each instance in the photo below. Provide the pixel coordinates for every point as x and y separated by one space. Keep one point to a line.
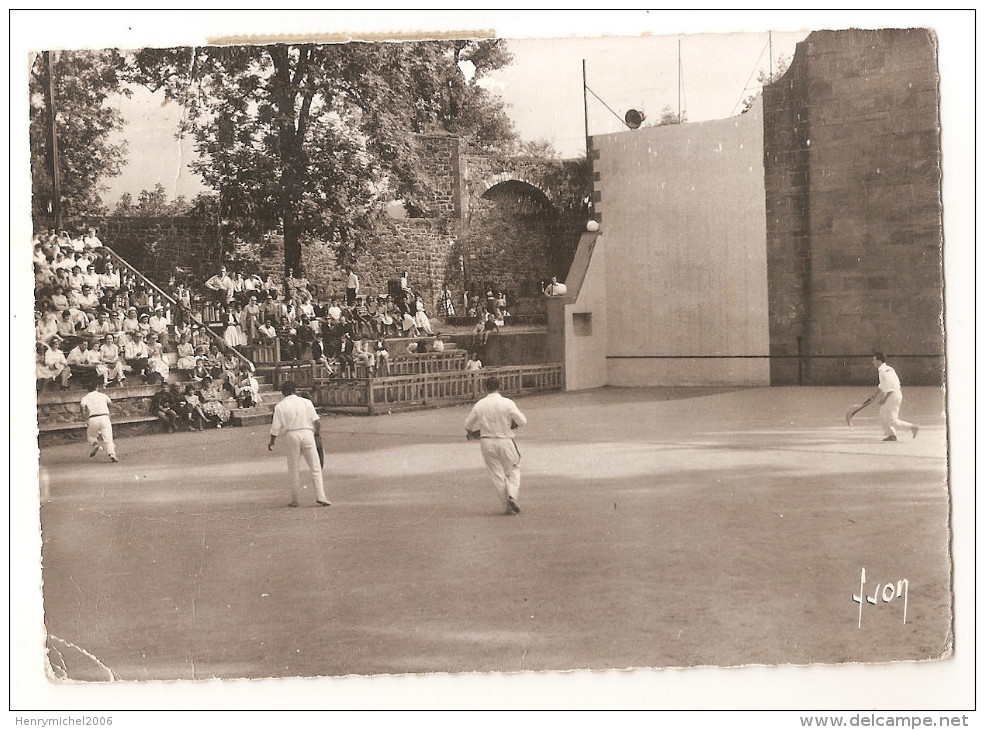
185 312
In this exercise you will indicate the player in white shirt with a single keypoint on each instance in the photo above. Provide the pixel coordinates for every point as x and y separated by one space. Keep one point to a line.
494 421
296 420
890 395
95 409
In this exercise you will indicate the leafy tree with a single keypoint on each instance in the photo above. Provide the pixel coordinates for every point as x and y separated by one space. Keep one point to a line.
667 117
313 140
125 206
152 203
85 82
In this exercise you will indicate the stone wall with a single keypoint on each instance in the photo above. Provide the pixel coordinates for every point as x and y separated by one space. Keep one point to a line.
156 246
852 159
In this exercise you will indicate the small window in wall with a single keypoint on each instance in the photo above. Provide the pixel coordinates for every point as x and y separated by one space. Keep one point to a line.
582 324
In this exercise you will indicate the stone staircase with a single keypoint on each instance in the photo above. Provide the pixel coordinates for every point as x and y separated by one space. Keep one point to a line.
262 414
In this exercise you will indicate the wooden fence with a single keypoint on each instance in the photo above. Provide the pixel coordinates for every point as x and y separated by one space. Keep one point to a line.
425 389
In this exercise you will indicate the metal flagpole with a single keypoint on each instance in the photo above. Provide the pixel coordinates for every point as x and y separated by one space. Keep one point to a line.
56 183
584 93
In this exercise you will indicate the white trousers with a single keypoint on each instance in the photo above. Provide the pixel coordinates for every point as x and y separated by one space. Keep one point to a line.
100 428
301 445
503 461
889 414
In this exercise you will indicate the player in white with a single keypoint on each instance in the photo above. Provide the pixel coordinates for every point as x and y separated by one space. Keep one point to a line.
297 421
95 408
890 395
494 421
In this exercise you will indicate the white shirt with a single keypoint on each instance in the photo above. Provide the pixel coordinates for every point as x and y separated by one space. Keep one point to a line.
78 356
888 380
95 403
494 416
294 413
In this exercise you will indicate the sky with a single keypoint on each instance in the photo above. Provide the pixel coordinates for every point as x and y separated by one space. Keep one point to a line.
542 89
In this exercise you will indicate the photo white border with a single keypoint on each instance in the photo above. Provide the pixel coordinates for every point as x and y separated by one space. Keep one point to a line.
931 686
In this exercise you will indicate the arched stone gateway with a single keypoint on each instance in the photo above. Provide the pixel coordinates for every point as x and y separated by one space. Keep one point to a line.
511 240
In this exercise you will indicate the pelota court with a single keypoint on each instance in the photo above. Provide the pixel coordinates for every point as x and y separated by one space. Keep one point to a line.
660 528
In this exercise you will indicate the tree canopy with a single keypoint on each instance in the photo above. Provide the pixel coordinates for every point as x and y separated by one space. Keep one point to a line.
85 82
315 139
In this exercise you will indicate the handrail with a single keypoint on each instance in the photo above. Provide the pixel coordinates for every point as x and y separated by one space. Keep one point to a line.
195 320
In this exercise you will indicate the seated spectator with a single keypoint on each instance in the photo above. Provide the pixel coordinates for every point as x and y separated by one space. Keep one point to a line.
230 373
75 279
52 365
109 280
438 345
130 323
215 363
87 300
143 324
83 360
479 334
382 356
287 334
213 405
90 277
46 327
58 299
111 365
373 308
158 325
91 241
388 317
364 356
200 372
347 358
101 326
418 348
165 405
67 328
186 353
421 320
473 363
409 326
157 364
136 354
490 325
360 318
248 391
191 409
266 333
318 354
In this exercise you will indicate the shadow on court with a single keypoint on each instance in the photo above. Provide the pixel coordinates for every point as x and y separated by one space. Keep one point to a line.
729 527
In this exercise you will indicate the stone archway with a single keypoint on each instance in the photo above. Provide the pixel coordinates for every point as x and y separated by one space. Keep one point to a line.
510 240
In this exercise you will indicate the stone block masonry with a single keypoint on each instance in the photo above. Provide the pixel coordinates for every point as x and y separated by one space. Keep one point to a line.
853 176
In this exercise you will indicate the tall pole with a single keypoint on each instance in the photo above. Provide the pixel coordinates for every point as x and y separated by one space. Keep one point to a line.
679 120
584 93
56 183
771 56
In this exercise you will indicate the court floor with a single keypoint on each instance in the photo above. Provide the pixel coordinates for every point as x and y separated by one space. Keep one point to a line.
659 528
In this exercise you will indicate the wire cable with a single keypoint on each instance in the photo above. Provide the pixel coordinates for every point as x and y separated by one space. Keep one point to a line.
754 69
615 114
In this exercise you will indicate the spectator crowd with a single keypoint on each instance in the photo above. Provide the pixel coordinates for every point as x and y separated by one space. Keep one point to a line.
97 320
